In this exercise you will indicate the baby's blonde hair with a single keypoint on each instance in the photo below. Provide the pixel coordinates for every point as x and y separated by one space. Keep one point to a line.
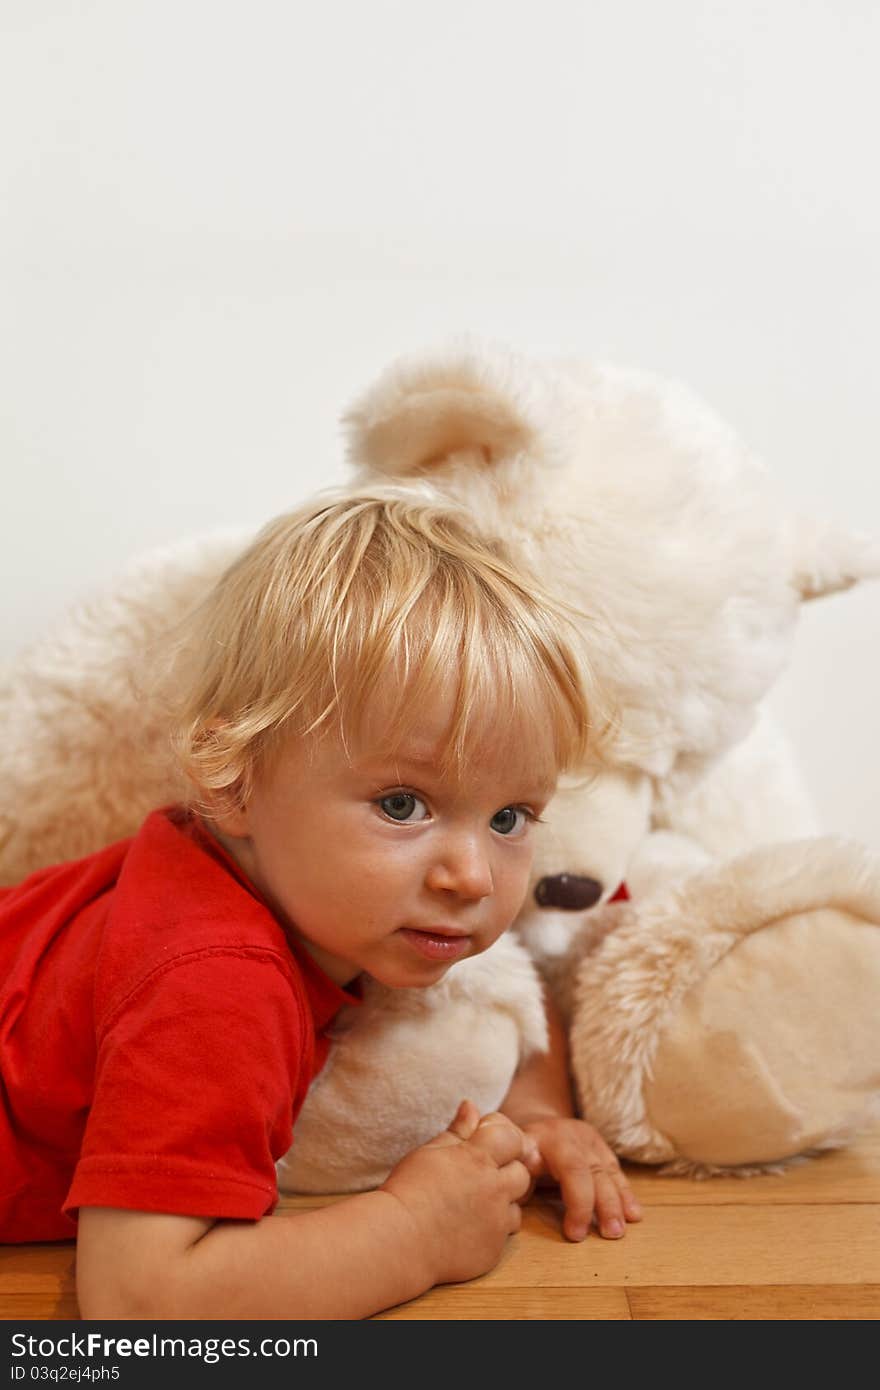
357 593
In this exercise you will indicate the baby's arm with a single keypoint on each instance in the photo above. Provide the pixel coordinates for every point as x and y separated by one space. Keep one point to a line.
573 1153
443 1214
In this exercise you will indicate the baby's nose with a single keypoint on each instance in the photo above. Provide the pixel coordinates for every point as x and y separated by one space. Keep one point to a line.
463 869
571 892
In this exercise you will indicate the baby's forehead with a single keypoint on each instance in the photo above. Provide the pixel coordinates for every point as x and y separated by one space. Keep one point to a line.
424 733
501 760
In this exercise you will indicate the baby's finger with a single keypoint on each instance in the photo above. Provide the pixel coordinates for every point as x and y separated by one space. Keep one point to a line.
530 1154
462 1126
499 1137
517 1180
466 1119
632 1208
610 1211
615 1204
578 1191
515 1218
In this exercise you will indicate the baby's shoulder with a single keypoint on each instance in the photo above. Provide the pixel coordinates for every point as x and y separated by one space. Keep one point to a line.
178 912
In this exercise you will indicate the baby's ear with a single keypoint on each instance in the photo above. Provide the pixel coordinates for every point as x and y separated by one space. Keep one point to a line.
212 755
426 409
226 808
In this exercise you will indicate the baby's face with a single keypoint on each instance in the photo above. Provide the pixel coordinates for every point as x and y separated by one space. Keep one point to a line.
384 864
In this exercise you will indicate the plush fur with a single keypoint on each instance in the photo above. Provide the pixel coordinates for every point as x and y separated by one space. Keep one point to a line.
731 1018
85 757
643 509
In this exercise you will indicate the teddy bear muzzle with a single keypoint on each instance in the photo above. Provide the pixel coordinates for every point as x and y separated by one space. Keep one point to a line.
571 892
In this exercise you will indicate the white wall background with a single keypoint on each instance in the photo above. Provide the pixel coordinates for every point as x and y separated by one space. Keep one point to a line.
221 217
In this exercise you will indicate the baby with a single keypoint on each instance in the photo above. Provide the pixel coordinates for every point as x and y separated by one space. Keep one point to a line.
376 706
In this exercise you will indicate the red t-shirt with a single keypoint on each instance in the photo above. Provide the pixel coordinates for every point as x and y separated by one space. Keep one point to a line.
158 1034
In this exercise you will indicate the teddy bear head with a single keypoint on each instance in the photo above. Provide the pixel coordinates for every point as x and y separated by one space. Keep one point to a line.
626 494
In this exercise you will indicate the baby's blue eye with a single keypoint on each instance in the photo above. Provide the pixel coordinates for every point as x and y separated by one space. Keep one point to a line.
509 819
403 807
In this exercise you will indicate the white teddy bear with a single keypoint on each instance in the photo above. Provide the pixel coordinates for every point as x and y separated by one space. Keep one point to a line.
726 1015
732 1017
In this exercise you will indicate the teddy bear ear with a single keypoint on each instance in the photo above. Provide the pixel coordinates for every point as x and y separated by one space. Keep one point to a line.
827 558
470 399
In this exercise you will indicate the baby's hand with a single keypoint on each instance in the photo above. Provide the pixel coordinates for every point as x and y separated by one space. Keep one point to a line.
575 1155
462 1190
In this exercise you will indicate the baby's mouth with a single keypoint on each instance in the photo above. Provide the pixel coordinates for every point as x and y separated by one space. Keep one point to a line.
436 943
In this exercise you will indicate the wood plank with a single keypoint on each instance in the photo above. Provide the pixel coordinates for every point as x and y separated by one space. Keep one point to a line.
44 1269
799 1302
476 1302
841 1175
36 1307
697 1246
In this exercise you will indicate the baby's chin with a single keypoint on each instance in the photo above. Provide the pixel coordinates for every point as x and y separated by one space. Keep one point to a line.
415 977
410 970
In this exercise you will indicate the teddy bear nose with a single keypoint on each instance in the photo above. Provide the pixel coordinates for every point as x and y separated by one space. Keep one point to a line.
568 891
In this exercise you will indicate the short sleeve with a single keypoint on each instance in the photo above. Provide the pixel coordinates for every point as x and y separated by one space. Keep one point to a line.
198 1077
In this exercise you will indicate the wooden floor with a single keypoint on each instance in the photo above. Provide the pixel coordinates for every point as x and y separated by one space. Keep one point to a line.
805 1245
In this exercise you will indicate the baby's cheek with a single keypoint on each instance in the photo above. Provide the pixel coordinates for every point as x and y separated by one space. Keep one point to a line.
516 885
